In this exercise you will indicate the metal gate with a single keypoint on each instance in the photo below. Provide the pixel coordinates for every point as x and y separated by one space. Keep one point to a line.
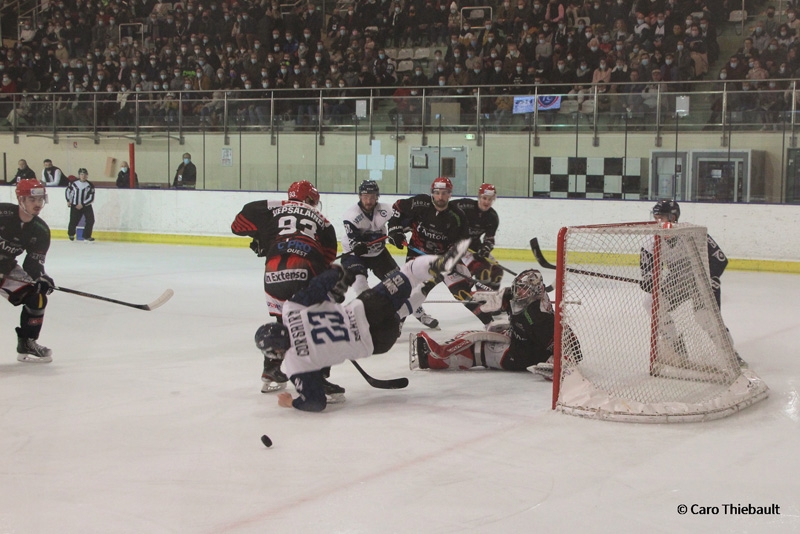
425 165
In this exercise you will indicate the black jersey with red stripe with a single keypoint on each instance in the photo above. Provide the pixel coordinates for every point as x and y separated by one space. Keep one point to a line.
288 227
17 237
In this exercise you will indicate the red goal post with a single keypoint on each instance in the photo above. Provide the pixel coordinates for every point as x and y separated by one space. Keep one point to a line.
638 334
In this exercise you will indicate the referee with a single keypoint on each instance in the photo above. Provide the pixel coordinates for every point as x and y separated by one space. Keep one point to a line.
80 196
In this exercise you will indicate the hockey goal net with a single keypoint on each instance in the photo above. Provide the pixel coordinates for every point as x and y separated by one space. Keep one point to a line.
639 335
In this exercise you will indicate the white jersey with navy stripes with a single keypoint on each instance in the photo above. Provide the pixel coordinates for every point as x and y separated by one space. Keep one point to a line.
325 334
364 228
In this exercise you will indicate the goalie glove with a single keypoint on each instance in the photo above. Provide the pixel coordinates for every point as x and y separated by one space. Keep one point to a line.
490 301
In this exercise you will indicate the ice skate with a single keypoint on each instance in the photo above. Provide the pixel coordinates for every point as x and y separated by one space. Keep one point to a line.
28 350
334 393
421 316
448 261
272 378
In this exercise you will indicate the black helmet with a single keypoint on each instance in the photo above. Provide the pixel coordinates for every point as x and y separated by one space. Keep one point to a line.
369 186
272 337
667 207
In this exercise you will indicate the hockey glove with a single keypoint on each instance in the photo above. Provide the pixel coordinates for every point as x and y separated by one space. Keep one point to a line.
484 251
646 283
359 249
339 289
255 246
44 285
397 238
716 285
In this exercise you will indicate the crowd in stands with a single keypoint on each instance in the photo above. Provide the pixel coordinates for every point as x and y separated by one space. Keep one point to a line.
191 53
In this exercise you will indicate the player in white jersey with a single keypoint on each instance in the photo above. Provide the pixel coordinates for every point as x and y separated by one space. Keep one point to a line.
365 223
318 331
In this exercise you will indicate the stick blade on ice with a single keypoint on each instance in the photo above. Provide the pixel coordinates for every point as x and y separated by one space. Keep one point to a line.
160 301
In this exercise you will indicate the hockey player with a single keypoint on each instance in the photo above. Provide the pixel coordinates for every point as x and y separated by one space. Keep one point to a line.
483 222
319 331
298 243
526 341
436 224
668 211
21 230
365 223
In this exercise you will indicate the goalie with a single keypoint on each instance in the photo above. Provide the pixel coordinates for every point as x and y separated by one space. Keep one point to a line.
318 331
527 340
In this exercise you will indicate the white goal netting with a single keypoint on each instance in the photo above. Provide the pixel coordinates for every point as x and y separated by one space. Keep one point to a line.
639 335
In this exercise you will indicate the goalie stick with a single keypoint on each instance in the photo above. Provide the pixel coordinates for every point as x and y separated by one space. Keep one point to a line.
537 252
160 301
394 383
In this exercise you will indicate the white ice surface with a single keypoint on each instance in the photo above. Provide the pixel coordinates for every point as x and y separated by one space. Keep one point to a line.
149 422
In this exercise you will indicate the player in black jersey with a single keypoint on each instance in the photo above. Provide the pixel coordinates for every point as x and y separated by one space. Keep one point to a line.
21 230
436 224
483 222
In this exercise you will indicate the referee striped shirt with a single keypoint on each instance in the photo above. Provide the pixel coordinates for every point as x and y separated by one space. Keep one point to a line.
80 193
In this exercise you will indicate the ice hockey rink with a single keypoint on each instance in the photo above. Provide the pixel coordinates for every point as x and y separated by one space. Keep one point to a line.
149 422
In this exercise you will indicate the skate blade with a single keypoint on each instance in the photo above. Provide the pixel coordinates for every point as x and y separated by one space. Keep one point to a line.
29 358
270 387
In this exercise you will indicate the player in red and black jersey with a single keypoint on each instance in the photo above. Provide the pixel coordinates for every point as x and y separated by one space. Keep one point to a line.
21 230
298 243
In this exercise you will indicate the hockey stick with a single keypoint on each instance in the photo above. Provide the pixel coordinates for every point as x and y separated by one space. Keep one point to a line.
547 265
160 301
548 288
494 262
147 307
394 383
368 244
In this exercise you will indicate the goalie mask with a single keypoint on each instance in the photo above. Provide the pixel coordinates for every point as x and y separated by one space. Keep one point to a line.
526 288
272 339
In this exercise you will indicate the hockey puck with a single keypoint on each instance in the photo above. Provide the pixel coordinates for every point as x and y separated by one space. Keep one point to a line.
266 441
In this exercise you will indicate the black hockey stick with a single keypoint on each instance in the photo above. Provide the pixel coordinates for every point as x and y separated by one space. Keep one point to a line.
494 262
394 383
547 265
147 307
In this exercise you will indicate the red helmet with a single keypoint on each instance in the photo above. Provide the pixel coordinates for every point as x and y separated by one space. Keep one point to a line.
304 191
487 189
440 183
30 187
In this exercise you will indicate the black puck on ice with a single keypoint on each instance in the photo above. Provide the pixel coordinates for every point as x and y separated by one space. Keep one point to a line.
266 441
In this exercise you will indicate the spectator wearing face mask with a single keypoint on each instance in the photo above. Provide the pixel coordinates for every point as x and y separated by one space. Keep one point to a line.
186 174
124 177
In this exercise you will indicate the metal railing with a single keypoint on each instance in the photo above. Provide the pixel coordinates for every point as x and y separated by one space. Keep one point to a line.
598 109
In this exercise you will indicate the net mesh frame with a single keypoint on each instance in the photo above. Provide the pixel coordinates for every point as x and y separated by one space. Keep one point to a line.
639 336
